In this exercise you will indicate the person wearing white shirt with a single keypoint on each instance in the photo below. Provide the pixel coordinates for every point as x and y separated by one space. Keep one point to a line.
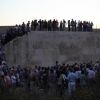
17 78
38 26
16 30
71 82
64 24
13 80
91 26
96 64
3 62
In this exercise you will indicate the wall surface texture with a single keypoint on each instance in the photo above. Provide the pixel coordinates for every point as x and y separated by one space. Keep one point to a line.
45 48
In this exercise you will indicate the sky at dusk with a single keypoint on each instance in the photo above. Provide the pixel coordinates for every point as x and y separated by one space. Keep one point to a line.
17 11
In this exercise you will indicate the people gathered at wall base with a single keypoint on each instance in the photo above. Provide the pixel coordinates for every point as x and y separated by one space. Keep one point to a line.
54 79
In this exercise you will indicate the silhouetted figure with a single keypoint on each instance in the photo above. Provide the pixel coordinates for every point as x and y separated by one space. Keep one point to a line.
64 23
45 25
84 26
23 28
72 25
69 25
32 25
61 26
54 25
28 24
75 25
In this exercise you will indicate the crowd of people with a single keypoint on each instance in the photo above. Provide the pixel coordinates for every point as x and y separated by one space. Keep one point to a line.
53 79
54 25
43 25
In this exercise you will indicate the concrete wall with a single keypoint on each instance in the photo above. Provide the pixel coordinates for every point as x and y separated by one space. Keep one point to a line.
44 48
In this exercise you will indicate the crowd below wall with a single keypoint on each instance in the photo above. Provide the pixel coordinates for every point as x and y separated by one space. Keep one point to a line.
54 80
43 25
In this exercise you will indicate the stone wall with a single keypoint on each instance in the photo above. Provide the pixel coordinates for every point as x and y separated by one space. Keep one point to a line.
45 48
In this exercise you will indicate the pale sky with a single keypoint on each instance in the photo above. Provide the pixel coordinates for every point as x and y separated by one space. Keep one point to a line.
17 11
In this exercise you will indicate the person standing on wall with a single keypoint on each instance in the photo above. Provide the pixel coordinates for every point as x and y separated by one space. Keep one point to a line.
75 23
72 24
69 25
